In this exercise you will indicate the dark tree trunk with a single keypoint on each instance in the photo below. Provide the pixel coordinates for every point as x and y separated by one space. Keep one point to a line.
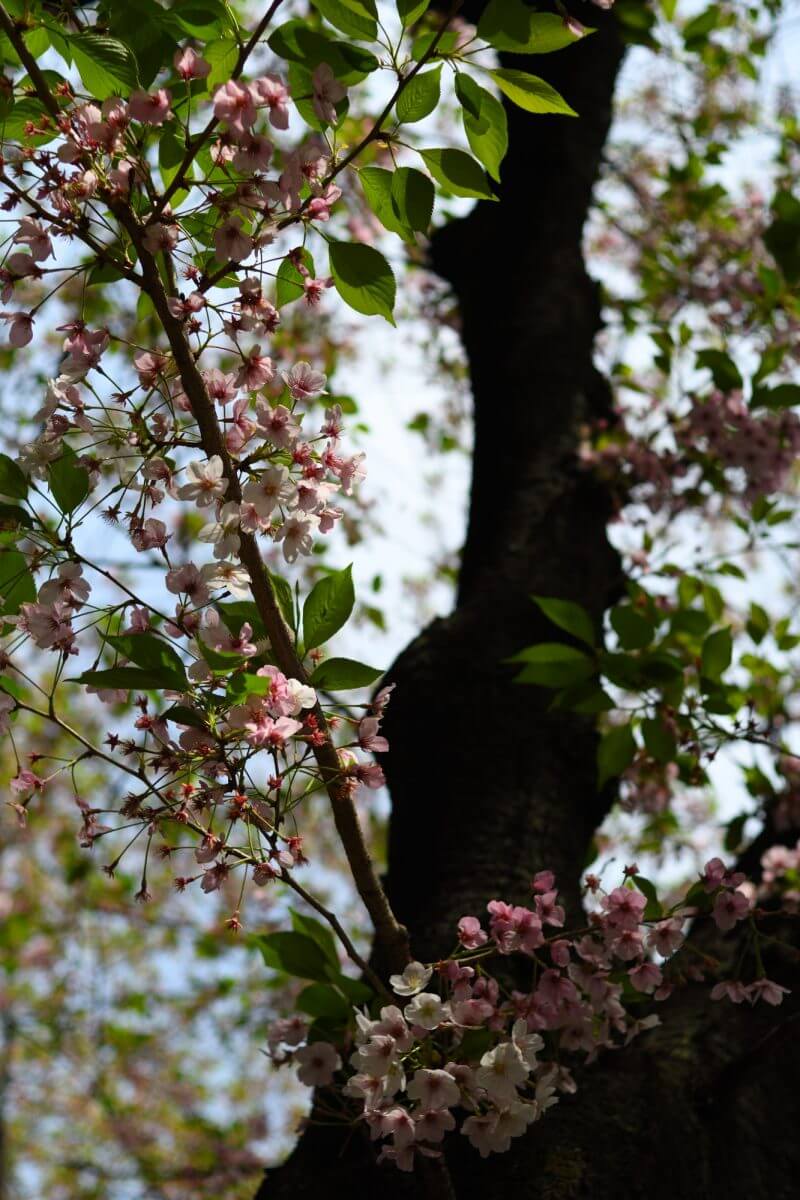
487 785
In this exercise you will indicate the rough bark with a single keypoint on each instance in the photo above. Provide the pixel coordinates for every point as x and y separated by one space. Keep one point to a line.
487 785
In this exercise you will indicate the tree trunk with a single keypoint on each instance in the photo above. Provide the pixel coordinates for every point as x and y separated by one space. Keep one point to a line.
487 785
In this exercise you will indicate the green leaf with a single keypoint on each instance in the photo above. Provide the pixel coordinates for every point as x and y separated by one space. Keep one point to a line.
420 96
377 185
412 198
782 238
289 281
485 123
295 42
697 30
567 615
283 594
133 679
363 278
511 25
146 29
171 149
243 683
37 41
653 910
716 654
201 18
583 697
295 953
17 585
615 753
152 652
107 67
356 991
458 173
14 125
319 933
757 623
13 482
410 11
659 740
783 395
68 481
222 55
181 714
236 612
323 1000
632 629
446 45
341 674
352 22
734 832
725 373
552 664
530 92
327 607
14 517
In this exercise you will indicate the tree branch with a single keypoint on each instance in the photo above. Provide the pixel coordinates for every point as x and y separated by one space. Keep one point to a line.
389 933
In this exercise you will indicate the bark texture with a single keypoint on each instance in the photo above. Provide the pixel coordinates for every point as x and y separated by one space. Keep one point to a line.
488 786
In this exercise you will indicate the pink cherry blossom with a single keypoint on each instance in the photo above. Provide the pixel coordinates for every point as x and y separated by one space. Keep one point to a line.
318 1064
190 65
150 108
730 907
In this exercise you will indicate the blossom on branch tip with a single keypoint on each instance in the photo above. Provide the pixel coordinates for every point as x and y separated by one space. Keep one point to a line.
413 979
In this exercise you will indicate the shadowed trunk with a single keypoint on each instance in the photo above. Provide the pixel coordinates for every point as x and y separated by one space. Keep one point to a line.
488 786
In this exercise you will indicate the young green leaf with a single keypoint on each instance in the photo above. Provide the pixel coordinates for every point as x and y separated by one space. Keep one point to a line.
511 25
615 753
349 20
569 616
289 282
327 607
552 664
716 654
458 173
412 198
222 55
298 43
68 481
410 11
485 123
319 933
342 674
17 585
653 910
377 185
530 92
295 953
14 517
106 66
363 278
181 714
659 740
13 481
724 372
323 1000
420 96
132 679
152 652
201 18
632 629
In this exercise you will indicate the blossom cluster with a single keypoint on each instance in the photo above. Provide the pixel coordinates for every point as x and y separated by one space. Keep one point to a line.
489 1053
